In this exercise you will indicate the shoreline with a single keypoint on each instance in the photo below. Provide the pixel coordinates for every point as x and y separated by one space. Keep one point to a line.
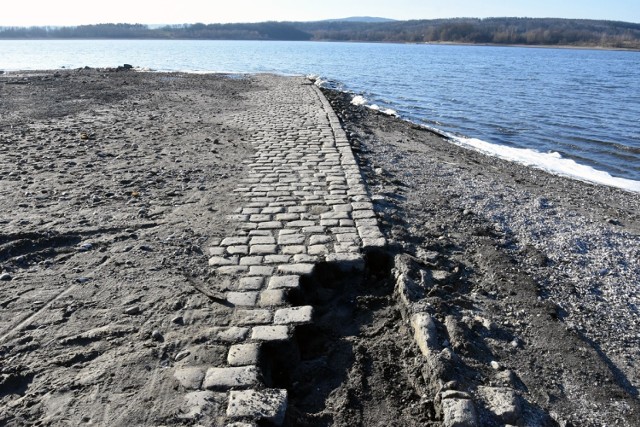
118 187
527 46
589 174
531 246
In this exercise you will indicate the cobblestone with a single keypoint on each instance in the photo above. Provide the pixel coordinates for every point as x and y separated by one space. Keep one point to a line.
302 201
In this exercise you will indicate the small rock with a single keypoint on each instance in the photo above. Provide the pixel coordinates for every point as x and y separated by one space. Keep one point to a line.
83 279
178 320
85 247
157 336
182 355
496 365
5 277
131 311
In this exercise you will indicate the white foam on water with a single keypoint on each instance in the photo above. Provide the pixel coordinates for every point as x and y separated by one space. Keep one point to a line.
551 162
359 100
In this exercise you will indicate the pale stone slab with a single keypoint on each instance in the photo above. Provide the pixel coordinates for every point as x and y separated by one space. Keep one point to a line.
190 377
225 378
266 405
284 282
293 315
270 333
243 354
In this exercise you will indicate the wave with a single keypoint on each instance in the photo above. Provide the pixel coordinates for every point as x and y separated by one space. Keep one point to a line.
551 162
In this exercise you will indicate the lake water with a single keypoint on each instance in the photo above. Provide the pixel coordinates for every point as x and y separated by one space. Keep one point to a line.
574 112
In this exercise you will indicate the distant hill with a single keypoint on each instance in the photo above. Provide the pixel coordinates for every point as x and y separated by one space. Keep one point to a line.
370 19
499 31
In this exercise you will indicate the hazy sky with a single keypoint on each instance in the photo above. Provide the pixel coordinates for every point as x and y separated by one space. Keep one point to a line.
75 12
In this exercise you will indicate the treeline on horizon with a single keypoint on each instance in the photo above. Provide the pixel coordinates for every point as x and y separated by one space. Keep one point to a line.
519 31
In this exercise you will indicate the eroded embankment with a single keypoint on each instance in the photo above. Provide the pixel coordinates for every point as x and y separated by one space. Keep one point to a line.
500 268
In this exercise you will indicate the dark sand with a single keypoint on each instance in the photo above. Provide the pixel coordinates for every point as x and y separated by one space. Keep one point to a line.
538 272
113 184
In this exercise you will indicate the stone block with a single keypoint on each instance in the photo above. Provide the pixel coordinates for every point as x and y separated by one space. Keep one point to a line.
237 240
251 260
238 250
232 270
459 413
301 223
243 354
272 297
292 239
218 261
231 334
251 283
277 259
197 403
260 218
284 282
262 240
293 249
319 239
270 333
374 243
268 405
260 270
252 317
347 261
363 214
269 225
226 378
317 250
217 251
247 299
304 258
263 249
503 403
299 269
424 333
293 315
288 216
190 377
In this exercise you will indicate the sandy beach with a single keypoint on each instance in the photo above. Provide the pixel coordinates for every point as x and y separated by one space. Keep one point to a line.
152 226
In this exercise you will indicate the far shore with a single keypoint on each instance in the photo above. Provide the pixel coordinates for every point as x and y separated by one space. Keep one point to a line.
530 46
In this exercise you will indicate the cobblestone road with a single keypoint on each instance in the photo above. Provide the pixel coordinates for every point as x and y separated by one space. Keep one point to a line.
303 201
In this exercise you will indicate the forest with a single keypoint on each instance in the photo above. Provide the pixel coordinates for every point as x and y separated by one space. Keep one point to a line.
501 31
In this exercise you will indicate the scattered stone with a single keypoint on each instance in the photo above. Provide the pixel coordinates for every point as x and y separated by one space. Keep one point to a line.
5 277
459 413
157 336
503 402
132 311
182 355
424 333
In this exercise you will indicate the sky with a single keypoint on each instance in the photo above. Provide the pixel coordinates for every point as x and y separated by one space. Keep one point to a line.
78 12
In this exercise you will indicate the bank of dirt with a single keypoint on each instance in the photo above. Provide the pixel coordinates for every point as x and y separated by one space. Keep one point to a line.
532 279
